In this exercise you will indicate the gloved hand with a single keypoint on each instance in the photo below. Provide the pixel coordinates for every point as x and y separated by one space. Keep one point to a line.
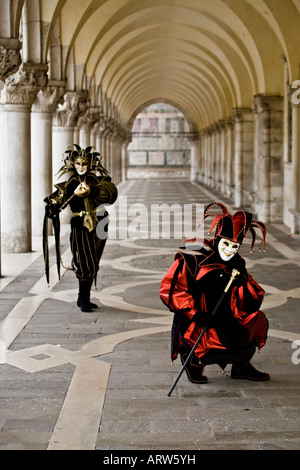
82 190
241 279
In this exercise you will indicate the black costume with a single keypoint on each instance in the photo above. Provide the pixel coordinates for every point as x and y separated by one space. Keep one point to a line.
86 246
192 287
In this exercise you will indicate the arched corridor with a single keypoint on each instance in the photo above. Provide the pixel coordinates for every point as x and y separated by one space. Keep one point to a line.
99 381
81 71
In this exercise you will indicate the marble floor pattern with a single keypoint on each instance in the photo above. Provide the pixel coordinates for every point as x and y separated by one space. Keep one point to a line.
72 356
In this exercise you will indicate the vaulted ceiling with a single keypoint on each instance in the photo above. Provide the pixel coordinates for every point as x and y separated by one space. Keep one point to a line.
206 57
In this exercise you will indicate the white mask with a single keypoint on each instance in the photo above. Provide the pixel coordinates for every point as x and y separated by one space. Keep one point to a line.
81 166
227 249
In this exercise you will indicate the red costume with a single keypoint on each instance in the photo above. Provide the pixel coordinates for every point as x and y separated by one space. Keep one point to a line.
239 325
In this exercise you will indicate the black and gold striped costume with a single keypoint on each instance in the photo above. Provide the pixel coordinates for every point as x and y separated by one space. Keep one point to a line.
86 247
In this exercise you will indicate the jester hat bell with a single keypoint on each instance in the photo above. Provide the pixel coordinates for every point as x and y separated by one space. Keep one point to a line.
234 227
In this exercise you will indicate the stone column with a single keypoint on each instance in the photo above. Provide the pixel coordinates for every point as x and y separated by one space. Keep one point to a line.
195 156
98 135
206 156
100 139
86 124
200 163
124 159
229 159
111 155
217 161
105 140
17 97
124 137
243 149
238 162
94 132
76 135
41 149
83 131
213 161
294 188
269 138
202 156
256 151
221 157
115 154
10 60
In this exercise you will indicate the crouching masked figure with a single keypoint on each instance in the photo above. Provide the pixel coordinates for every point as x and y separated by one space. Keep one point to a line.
88 187
198 278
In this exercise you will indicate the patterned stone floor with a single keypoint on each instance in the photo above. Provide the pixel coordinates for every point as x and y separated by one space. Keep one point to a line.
86 381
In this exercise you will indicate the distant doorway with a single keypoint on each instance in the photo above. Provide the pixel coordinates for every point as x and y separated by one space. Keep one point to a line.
160 146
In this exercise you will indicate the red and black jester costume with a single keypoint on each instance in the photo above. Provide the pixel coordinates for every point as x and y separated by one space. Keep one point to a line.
239 326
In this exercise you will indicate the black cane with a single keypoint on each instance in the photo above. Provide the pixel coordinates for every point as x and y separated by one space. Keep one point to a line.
232 277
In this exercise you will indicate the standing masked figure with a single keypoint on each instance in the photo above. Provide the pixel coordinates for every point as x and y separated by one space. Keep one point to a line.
88 187
238 327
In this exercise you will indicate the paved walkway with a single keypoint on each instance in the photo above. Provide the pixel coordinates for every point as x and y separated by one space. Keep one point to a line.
73 380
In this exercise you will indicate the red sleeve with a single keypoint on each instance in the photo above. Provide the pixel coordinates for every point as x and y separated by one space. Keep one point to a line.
247 299
181 299
253 319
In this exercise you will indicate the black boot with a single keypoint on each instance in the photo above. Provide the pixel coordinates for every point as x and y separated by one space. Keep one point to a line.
248 372
194 370
222 365
83 300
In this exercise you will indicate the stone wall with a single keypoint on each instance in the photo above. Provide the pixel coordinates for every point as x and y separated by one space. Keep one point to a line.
160 145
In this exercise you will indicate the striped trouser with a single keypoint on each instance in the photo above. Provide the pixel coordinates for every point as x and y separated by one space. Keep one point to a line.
86 250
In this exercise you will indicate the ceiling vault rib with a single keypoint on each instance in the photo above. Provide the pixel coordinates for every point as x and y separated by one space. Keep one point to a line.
207 57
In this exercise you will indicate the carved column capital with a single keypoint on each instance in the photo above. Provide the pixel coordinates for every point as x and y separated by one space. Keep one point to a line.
10 57
108 126
229 124
23 86
75 105
48 98
264 103
125 135
90 118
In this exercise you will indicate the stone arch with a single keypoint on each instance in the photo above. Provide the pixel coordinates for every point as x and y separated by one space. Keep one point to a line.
161 143
219 61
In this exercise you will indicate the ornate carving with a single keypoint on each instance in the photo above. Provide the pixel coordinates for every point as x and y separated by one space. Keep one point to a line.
10 60
75 106
90 118
48 98
267 103
23 86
